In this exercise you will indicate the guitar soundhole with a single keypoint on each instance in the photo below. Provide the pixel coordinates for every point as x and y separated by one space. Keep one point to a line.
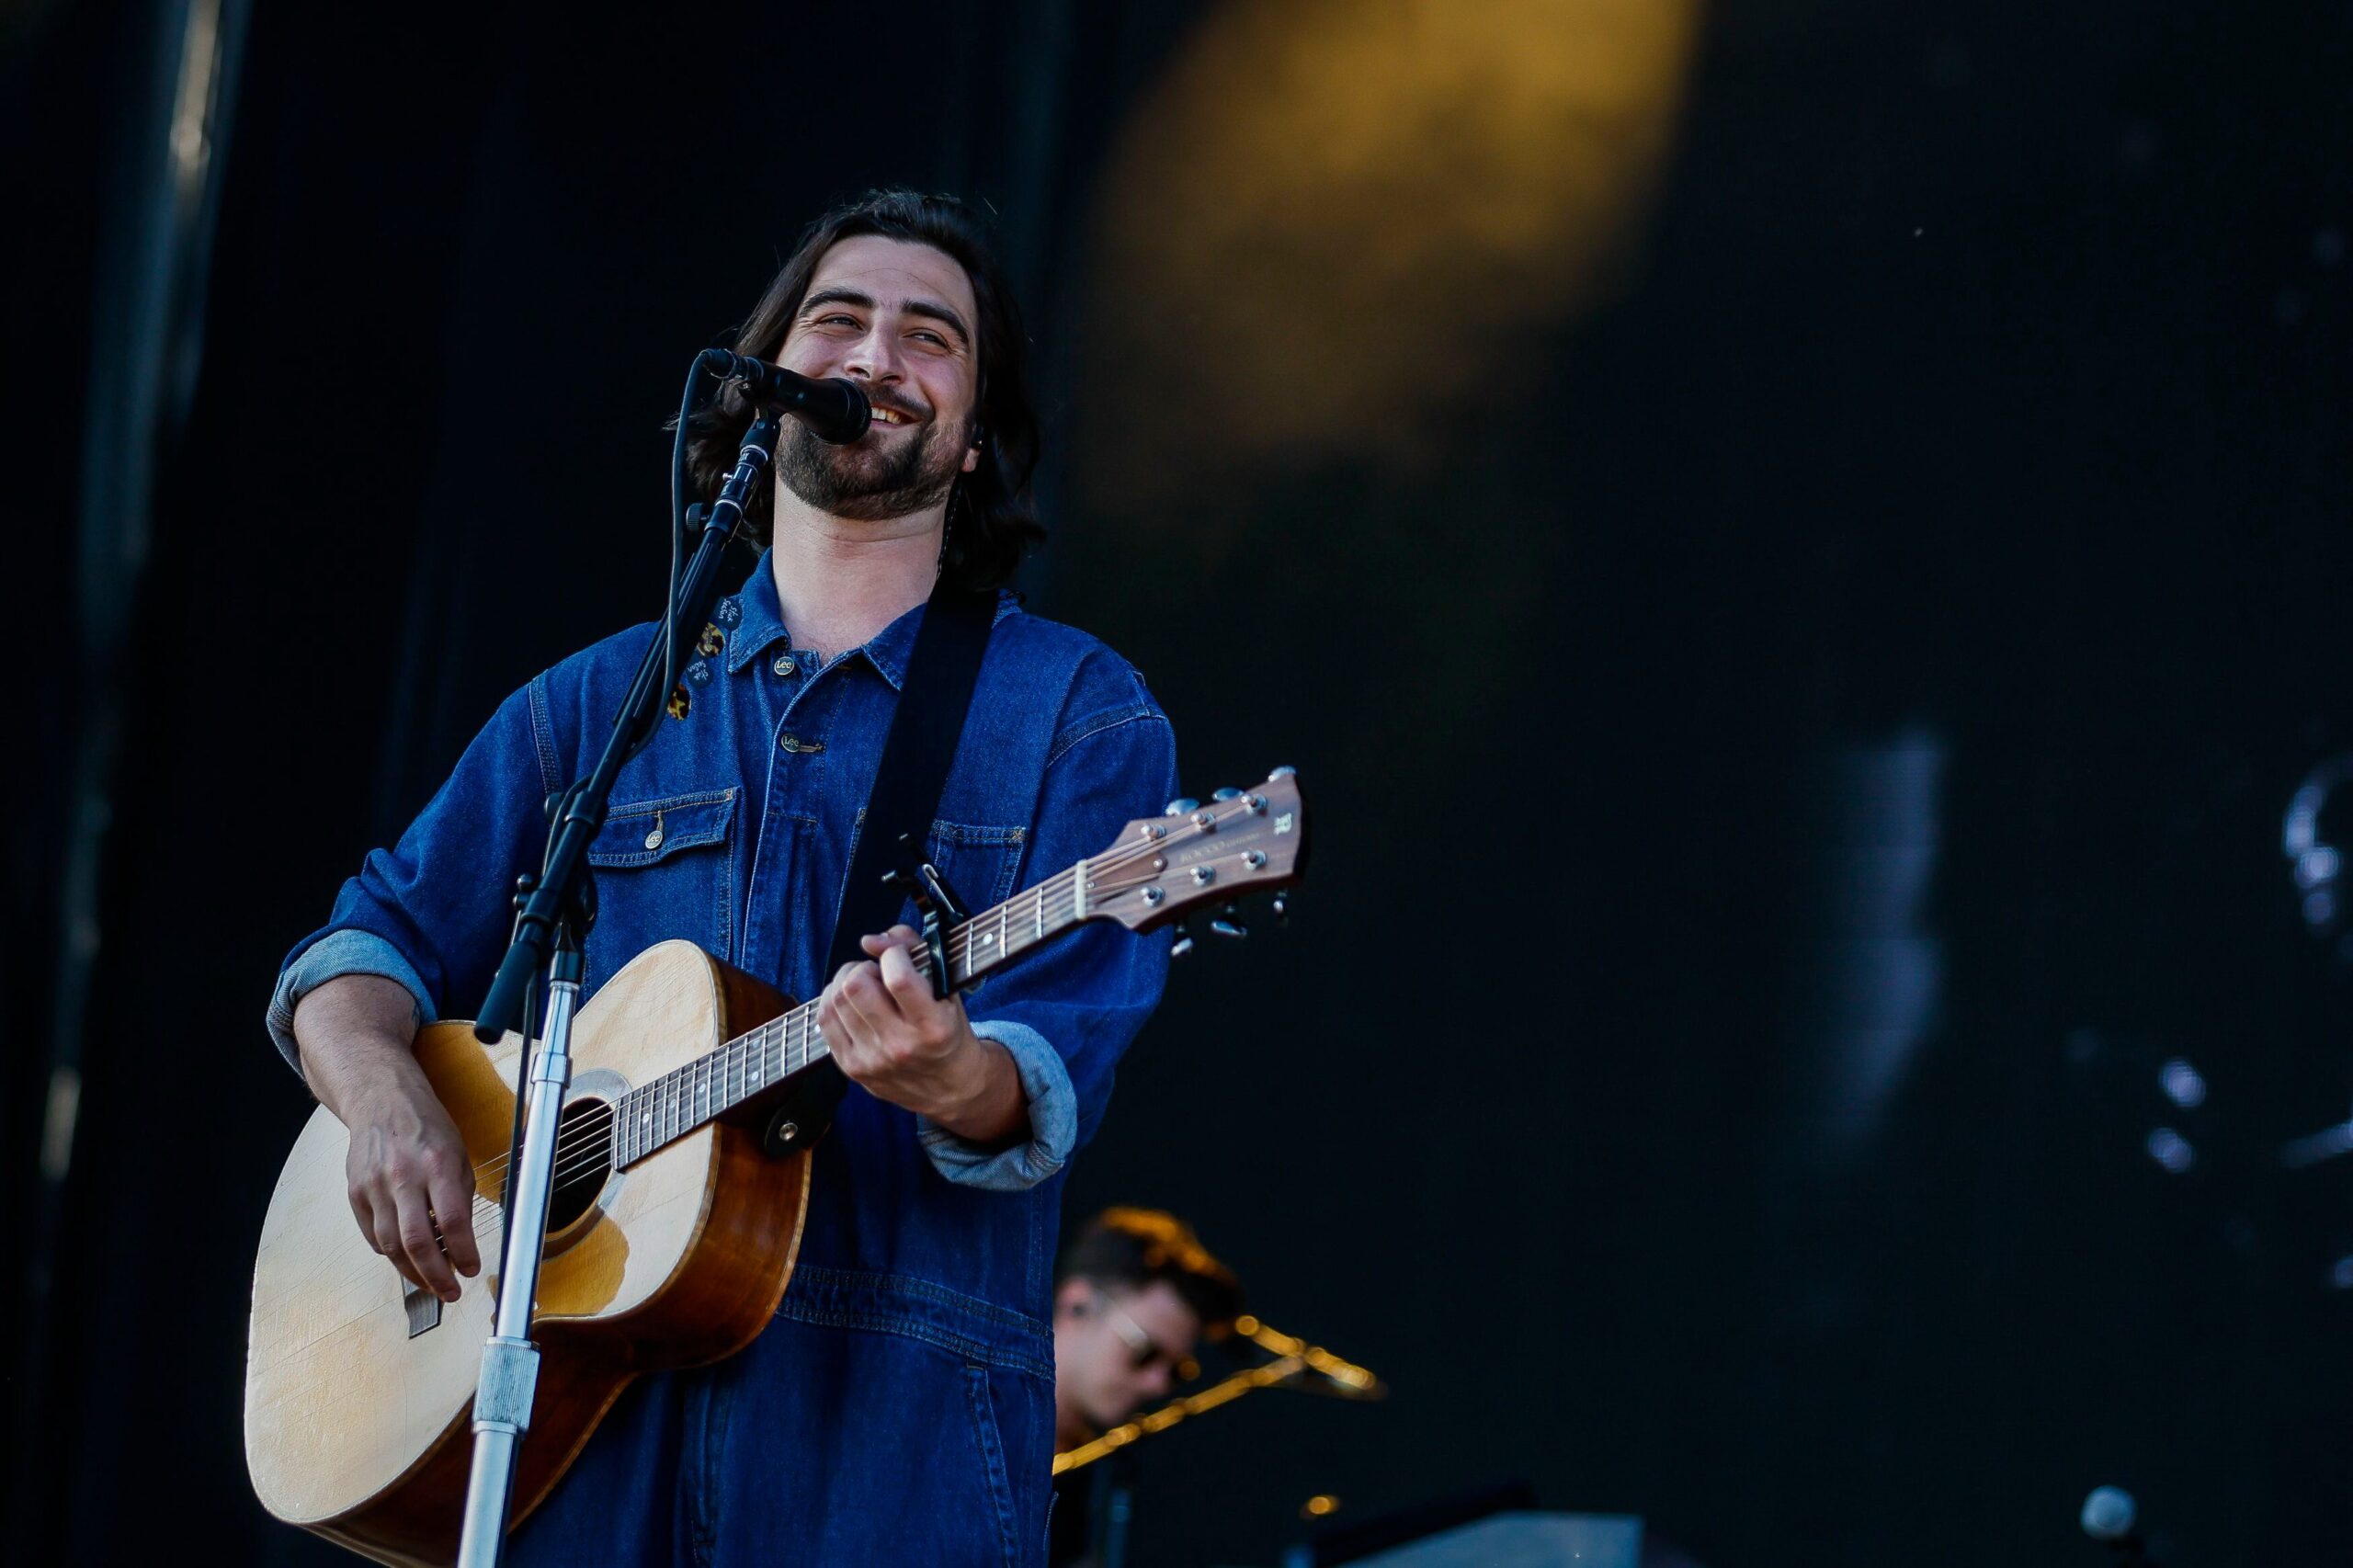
584 1161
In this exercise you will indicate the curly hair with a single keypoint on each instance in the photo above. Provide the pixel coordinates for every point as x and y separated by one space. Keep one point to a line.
992 520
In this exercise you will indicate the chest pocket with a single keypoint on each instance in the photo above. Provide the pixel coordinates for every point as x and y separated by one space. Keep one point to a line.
979 862
664 868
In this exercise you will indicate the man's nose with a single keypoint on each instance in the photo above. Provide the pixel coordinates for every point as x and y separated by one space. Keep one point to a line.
873 357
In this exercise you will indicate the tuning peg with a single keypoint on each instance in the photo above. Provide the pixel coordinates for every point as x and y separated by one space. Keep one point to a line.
1229 923
1280 773
525 886
1226 795
1180 805
1183 943
1281 907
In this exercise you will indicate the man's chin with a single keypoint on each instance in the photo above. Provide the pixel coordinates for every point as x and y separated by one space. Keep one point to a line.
872 479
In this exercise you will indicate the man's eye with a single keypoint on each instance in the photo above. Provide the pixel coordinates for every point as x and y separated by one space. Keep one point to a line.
837 321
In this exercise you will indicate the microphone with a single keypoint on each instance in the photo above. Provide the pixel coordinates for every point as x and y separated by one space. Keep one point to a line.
834 410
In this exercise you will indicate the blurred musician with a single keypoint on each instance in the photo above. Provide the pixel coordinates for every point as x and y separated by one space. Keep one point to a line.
1135 1294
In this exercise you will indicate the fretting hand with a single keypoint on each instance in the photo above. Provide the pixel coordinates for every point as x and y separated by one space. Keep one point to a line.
889 1034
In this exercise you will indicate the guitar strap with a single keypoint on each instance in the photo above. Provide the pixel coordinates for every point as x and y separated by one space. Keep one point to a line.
934 697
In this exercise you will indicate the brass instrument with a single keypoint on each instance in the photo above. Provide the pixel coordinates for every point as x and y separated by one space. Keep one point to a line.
1294 1363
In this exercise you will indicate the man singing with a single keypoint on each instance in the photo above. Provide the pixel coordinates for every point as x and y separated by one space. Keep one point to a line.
900 1406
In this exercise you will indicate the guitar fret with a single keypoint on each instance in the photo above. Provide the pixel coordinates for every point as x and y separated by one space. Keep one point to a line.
690 1096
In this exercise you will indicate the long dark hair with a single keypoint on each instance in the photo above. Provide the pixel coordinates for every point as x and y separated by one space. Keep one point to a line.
990 519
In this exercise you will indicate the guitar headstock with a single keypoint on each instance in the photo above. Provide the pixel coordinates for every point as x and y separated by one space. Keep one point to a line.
1202 852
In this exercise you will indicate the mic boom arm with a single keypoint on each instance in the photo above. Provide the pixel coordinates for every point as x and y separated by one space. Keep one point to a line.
1294 1361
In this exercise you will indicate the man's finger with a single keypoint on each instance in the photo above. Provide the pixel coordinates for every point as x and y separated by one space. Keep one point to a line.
384 1233
844 1032
901 936
363 1211
424 1252
856 1022
899 975
863 990
453 1211
865 1001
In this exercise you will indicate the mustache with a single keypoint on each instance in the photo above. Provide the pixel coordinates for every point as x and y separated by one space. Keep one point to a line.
896 405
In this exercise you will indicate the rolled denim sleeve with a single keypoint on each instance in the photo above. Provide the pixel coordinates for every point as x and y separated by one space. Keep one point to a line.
431 912
339 953
1067 1013
1053 1118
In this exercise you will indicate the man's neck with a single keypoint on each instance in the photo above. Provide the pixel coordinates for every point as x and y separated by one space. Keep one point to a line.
839 580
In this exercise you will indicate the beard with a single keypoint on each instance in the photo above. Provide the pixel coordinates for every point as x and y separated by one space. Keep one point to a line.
866 480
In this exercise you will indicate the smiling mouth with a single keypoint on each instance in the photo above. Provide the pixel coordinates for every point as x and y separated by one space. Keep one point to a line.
881 415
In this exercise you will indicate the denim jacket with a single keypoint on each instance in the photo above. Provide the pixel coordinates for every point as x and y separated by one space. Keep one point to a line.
734 830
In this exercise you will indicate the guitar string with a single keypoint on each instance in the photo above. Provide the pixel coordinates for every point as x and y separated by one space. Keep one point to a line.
588 1152
758 1038
580 1152
756 1041
590 1138
587 1142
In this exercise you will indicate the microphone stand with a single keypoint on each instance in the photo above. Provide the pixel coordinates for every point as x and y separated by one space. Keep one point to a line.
1296 1364
552 922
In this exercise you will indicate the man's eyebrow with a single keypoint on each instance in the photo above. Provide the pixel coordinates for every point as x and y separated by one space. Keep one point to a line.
933 310
930 310
836 295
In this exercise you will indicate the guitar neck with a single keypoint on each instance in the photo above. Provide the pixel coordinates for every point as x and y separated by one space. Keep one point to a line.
668 1107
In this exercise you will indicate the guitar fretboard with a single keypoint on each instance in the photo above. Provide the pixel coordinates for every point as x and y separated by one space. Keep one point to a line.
668 1107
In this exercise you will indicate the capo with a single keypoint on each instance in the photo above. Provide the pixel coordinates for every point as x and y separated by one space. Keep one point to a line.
935 901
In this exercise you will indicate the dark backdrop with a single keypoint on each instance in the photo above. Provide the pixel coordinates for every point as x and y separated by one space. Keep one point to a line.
1710 1073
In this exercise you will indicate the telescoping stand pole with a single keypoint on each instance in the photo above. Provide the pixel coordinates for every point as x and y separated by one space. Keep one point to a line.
510 1362
548 932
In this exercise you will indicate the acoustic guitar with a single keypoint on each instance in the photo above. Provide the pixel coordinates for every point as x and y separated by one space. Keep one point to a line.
670 1236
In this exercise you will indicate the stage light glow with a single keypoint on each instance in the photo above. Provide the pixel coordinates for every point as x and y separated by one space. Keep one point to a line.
2171 1149
1332 217
2182 1084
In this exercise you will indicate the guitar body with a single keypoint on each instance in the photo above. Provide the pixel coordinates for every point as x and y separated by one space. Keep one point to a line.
358 1429
359 1390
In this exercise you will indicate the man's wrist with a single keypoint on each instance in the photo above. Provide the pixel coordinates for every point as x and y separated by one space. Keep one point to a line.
987 1105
